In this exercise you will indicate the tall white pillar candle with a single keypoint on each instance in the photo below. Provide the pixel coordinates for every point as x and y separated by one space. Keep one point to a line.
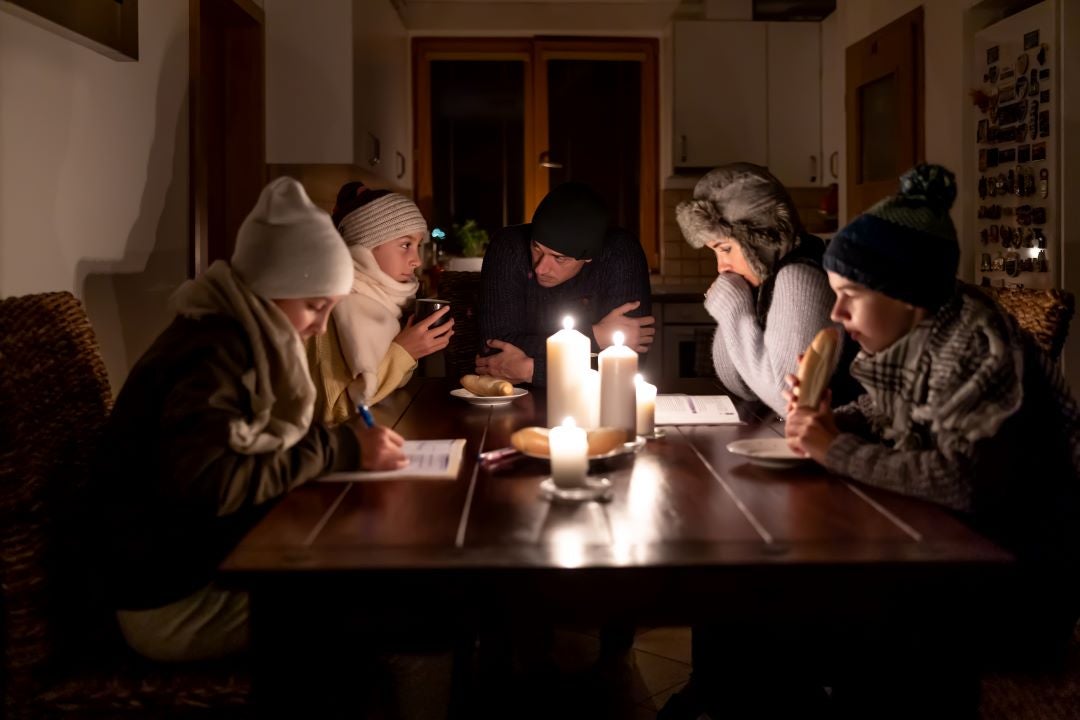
618 399
567 362
569 454
591 397
646 406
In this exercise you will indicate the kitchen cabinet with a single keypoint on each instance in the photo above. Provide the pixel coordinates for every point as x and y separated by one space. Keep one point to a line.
794 103
720 93
749 91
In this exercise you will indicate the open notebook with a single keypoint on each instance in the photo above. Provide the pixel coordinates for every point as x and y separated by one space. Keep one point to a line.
695 410
428 460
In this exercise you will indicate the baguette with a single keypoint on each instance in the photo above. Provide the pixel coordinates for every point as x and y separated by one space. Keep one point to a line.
816 367
534 440
487 386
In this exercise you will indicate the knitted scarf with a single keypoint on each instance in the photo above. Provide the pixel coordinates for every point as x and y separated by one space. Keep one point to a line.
368 320
957 376
280 390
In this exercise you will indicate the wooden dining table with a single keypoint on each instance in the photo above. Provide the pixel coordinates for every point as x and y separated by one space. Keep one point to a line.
691 534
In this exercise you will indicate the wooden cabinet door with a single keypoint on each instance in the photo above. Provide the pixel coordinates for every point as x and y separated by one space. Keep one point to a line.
884 102
794 103
720 93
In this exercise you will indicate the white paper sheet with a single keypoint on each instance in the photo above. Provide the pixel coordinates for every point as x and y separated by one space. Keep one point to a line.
428 460
695 410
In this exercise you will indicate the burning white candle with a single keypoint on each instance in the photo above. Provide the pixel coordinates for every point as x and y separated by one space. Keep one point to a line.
569 454
646 406
567 363
618 400
591 396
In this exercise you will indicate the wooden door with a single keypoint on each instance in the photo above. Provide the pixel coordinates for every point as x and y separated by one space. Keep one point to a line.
228 123
884 99
597 99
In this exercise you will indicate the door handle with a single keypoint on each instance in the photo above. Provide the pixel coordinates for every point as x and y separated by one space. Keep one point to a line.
813 169
683 144
375 154
546 161
834 164
401 164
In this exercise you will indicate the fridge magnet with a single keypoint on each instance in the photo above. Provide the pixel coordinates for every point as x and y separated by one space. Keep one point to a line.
994 235
1031 39
1022 64
982 184
1010 182
1033 121
998 264
1040 237
1044 182
1000 183
992 74
984 263
1007 156
1038 216
982 160
1044 73
992 134
1006 94
1029 182
1041 262
984 235
992 156
1006 74
983 132
1033 84
1044 123
1021 132
992 55
1041 55
1023 154
1044 96
1021 85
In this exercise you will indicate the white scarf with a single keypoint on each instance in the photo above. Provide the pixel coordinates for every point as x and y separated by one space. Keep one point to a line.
279 386
368 320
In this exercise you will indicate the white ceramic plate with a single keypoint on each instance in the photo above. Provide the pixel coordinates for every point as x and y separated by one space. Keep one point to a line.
767 452
489 400
631 446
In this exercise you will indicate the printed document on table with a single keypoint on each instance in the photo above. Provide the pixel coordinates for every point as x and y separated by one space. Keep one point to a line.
428 460
695 410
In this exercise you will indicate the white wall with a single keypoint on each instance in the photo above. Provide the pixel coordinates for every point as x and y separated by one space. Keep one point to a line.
94 174
309 88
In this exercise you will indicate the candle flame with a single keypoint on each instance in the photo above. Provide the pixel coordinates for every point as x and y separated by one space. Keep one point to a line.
618 338
568 323
638 379
568 422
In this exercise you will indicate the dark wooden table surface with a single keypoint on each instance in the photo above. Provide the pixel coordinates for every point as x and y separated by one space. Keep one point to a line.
691 532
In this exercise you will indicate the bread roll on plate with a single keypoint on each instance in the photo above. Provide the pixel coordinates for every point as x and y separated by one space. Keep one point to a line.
487 386
534 440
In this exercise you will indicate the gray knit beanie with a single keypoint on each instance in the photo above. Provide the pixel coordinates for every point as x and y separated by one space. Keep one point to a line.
744 202
288 248
385 217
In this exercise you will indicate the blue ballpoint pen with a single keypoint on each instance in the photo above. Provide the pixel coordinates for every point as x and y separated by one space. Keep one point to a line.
365 414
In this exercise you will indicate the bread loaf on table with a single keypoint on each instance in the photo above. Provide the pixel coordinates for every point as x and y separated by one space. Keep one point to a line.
534 440
816 368
487 386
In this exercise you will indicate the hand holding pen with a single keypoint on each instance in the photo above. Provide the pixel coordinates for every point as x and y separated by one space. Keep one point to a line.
380 447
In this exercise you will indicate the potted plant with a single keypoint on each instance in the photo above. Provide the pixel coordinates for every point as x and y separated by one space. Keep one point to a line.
472 241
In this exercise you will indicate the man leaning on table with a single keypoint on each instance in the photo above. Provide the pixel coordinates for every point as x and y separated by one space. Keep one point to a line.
568 261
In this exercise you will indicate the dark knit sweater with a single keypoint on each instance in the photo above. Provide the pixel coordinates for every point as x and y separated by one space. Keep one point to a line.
171 497
516 309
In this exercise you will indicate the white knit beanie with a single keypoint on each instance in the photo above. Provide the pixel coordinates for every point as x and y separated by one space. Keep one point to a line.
381 220
288 248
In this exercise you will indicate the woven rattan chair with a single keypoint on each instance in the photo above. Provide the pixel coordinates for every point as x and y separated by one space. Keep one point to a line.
462 290
1043 313
62 653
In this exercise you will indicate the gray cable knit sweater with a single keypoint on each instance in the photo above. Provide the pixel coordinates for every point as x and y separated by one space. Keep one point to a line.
752 361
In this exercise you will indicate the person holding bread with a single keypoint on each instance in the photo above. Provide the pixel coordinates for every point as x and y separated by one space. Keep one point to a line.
961 408
567 261
771 295
366 354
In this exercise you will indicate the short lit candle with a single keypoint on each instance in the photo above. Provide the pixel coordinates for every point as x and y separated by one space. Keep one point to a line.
567 363
569 454
646 406
618 399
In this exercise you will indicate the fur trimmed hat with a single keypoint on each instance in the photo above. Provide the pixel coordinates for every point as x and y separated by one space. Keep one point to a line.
288 248
904 246
744 202
369 218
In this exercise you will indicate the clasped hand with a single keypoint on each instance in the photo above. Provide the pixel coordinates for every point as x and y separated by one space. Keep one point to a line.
510 363
638 332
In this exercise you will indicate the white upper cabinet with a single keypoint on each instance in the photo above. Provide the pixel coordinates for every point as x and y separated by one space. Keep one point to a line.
794 104
720 93
749 91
